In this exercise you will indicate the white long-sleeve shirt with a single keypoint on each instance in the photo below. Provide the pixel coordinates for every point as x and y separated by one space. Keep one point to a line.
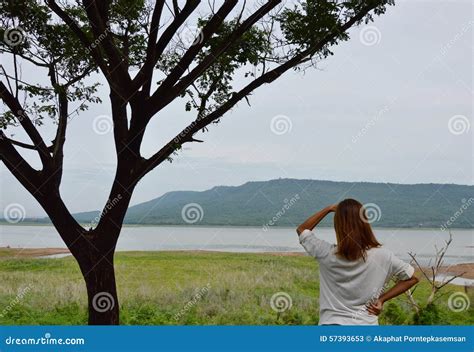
347 286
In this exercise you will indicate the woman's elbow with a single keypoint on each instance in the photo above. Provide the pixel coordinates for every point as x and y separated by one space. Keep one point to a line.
299 230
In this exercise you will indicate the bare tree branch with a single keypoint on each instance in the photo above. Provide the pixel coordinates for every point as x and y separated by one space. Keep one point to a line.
17 110
451 279
119 115
157 101
207 31
146 72
150 51
413 257
24 145
19 167
412 300
176 7
60 139
76 79
95 53
435 269
97 13
8 78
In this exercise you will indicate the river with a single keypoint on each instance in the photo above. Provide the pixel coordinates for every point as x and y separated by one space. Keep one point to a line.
249 239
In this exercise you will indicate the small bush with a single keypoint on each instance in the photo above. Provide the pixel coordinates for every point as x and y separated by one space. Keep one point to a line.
393 314
429 315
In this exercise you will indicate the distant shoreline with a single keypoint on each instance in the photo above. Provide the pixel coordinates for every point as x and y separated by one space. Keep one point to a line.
6 223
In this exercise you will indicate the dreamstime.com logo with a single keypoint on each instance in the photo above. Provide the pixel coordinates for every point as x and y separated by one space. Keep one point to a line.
47 339
370 36
110 204
14 36
288 203
466 203
459 124
459 302
192 213
281 124
102 302
14 213
191 35
102 124
376 293
370 213
21 294
374 120
194 300
98 40
281 302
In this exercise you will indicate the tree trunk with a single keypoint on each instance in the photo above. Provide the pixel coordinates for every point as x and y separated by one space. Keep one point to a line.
99 276
94 252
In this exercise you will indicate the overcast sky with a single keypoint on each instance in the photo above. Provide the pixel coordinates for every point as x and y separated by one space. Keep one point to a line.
394 104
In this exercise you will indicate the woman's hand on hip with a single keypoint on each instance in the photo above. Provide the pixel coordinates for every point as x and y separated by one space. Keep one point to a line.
375 308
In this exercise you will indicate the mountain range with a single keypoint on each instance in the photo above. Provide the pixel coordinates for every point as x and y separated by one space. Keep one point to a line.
288 202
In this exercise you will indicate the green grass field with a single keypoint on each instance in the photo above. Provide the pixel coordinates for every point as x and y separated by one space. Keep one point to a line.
186 288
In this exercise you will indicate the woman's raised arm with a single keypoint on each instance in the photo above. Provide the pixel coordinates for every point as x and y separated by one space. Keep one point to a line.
315 219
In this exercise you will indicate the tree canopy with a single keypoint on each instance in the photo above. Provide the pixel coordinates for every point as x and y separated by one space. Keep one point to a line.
200 51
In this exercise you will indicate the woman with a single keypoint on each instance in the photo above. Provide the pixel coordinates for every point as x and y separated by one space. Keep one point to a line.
355 272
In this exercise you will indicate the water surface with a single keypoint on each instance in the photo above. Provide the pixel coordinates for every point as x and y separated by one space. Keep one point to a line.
248 239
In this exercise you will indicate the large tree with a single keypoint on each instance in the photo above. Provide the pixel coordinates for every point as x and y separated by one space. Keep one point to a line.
151 54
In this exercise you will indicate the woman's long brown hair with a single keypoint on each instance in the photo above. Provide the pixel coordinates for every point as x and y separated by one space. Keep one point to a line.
353 232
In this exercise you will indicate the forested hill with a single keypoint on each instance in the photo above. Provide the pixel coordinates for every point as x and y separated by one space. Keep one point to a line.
287 202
